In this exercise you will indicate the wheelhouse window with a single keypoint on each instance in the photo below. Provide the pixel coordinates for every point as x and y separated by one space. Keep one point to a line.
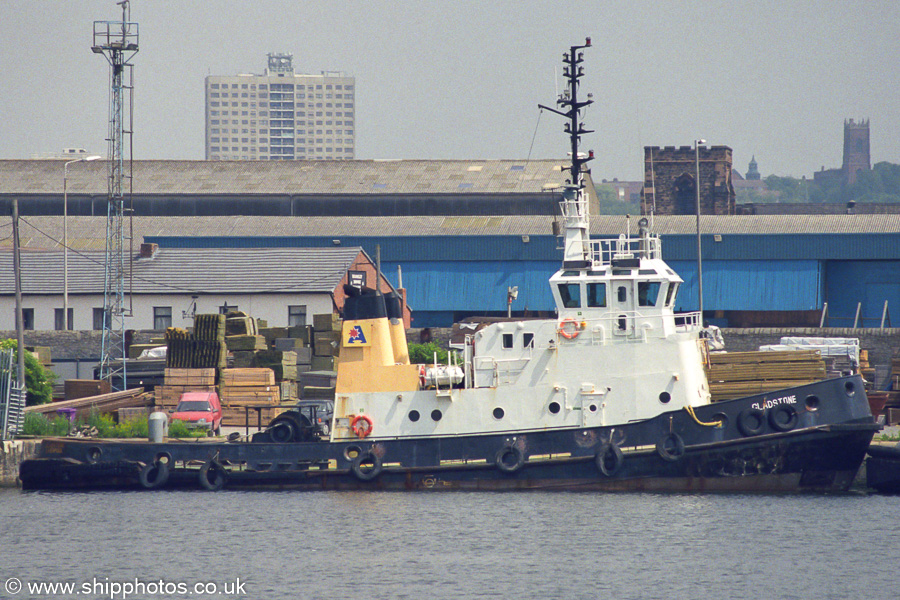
528 340
671 293
507 340
596 294
648 292
570 294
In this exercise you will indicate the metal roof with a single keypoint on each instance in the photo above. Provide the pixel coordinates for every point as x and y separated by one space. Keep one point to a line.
189 270
362 177
90 232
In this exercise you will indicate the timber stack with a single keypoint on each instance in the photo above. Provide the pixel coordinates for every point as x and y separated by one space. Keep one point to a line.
249 388
738 374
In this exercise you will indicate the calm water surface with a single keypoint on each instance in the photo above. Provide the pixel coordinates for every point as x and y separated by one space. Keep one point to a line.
455 545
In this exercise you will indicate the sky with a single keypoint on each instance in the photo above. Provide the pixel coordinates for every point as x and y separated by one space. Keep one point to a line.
462 79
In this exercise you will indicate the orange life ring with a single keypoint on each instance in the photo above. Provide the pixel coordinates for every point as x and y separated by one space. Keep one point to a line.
569 335
356 425
422 375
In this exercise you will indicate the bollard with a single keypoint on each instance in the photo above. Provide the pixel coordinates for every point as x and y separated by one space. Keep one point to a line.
158 426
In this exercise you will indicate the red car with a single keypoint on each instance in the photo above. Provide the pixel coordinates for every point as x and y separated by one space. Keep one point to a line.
200 410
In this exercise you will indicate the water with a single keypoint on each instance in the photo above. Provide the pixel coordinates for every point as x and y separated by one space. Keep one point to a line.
454 545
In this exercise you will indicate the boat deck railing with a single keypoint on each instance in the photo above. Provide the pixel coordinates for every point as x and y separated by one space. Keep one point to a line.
610 251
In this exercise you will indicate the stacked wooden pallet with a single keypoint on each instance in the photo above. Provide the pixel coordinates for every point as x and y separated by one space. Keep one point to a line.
253 388
326 341
738 374
179 381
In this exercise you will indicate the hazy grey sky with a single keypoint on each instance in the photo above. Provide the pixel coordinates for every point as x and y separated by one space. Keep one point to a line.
462 79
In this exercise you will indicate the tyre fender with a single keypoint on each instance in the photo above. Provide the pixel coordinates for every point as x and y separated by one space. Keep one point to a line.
212 476
609 459
154 475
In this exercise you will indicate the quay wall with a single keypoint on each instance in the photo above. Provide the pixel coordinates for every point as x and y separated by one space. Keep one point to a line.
12 453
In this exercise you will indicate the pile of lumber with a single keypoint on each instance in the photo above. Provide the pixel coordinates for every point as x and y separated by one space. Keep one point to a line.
103 403
203 347
240 389
179 381
326 341
83 388
738 374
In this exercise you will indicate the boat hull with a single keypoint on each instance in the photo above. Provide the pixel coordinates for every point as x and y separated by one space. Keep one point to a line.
814 442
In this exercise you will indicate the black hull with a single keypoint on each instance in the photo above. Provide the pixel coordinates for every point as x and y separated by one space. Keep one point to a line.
816 447
883 469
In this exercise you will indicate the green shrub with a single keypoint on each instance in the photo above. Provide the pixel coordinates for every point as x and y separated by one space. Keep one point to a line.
40 425
38 379
177 429
424 354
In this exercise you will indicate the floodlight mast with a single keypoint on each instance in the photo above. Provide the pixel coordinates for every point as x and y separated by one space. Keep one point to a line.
117 41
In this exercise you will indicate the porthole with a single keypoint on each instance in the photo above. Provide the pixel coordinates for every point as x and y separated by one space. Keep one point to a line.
664 397
413 415
592 408
812 403
93 454
498 413
436 415
351 452
553 408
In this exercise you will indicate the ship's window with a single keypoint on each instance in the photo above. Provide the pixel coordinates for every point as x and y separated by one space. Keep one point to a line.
664 397
670 294
528 340
623 293
436 415
648 292
413 415
623 322
554 407
498 413
571 273
596 294
507 340
570 293
646 272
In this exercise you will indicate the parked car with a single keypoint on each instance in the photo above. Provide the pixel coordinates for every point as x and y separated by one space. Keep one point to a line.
200 410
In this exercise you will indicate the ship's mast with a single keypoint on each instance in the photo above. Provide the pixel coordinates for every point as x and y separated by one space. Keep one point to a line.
576 253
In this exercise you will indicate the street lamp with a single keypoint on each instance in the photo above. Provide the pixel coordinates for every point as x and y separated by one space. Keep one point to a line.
699 260
65 315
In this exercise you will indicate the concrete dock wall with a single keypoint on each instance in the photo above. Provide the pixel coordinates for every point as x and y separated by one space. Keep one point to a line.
11 456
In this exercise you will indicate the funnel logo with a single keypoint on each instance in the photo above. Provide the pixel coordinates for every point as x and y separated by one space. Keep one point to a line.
357 336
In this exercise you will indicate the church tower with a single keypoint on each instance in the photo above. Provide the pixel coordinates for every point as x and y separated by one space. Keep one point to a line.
752 171
856 149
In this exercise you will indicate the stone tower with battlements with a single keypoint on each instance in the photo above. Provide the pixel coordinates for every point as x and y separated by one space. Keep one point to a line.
856 149
670 181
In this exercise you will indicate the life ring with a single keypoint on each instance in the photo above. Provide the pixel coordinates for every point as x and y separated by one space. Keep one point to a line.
569 335
422 375
212 476
609 459
510 459
356 425
154 475
751 421
783 417
366 473
670 447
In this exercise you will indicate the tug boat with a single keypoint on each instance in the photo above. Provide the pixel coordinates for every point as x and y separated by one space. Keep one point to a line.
611 395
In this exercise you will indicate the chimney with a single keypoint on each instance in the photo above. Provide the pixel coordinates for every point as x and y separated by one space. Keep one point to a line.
149 250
